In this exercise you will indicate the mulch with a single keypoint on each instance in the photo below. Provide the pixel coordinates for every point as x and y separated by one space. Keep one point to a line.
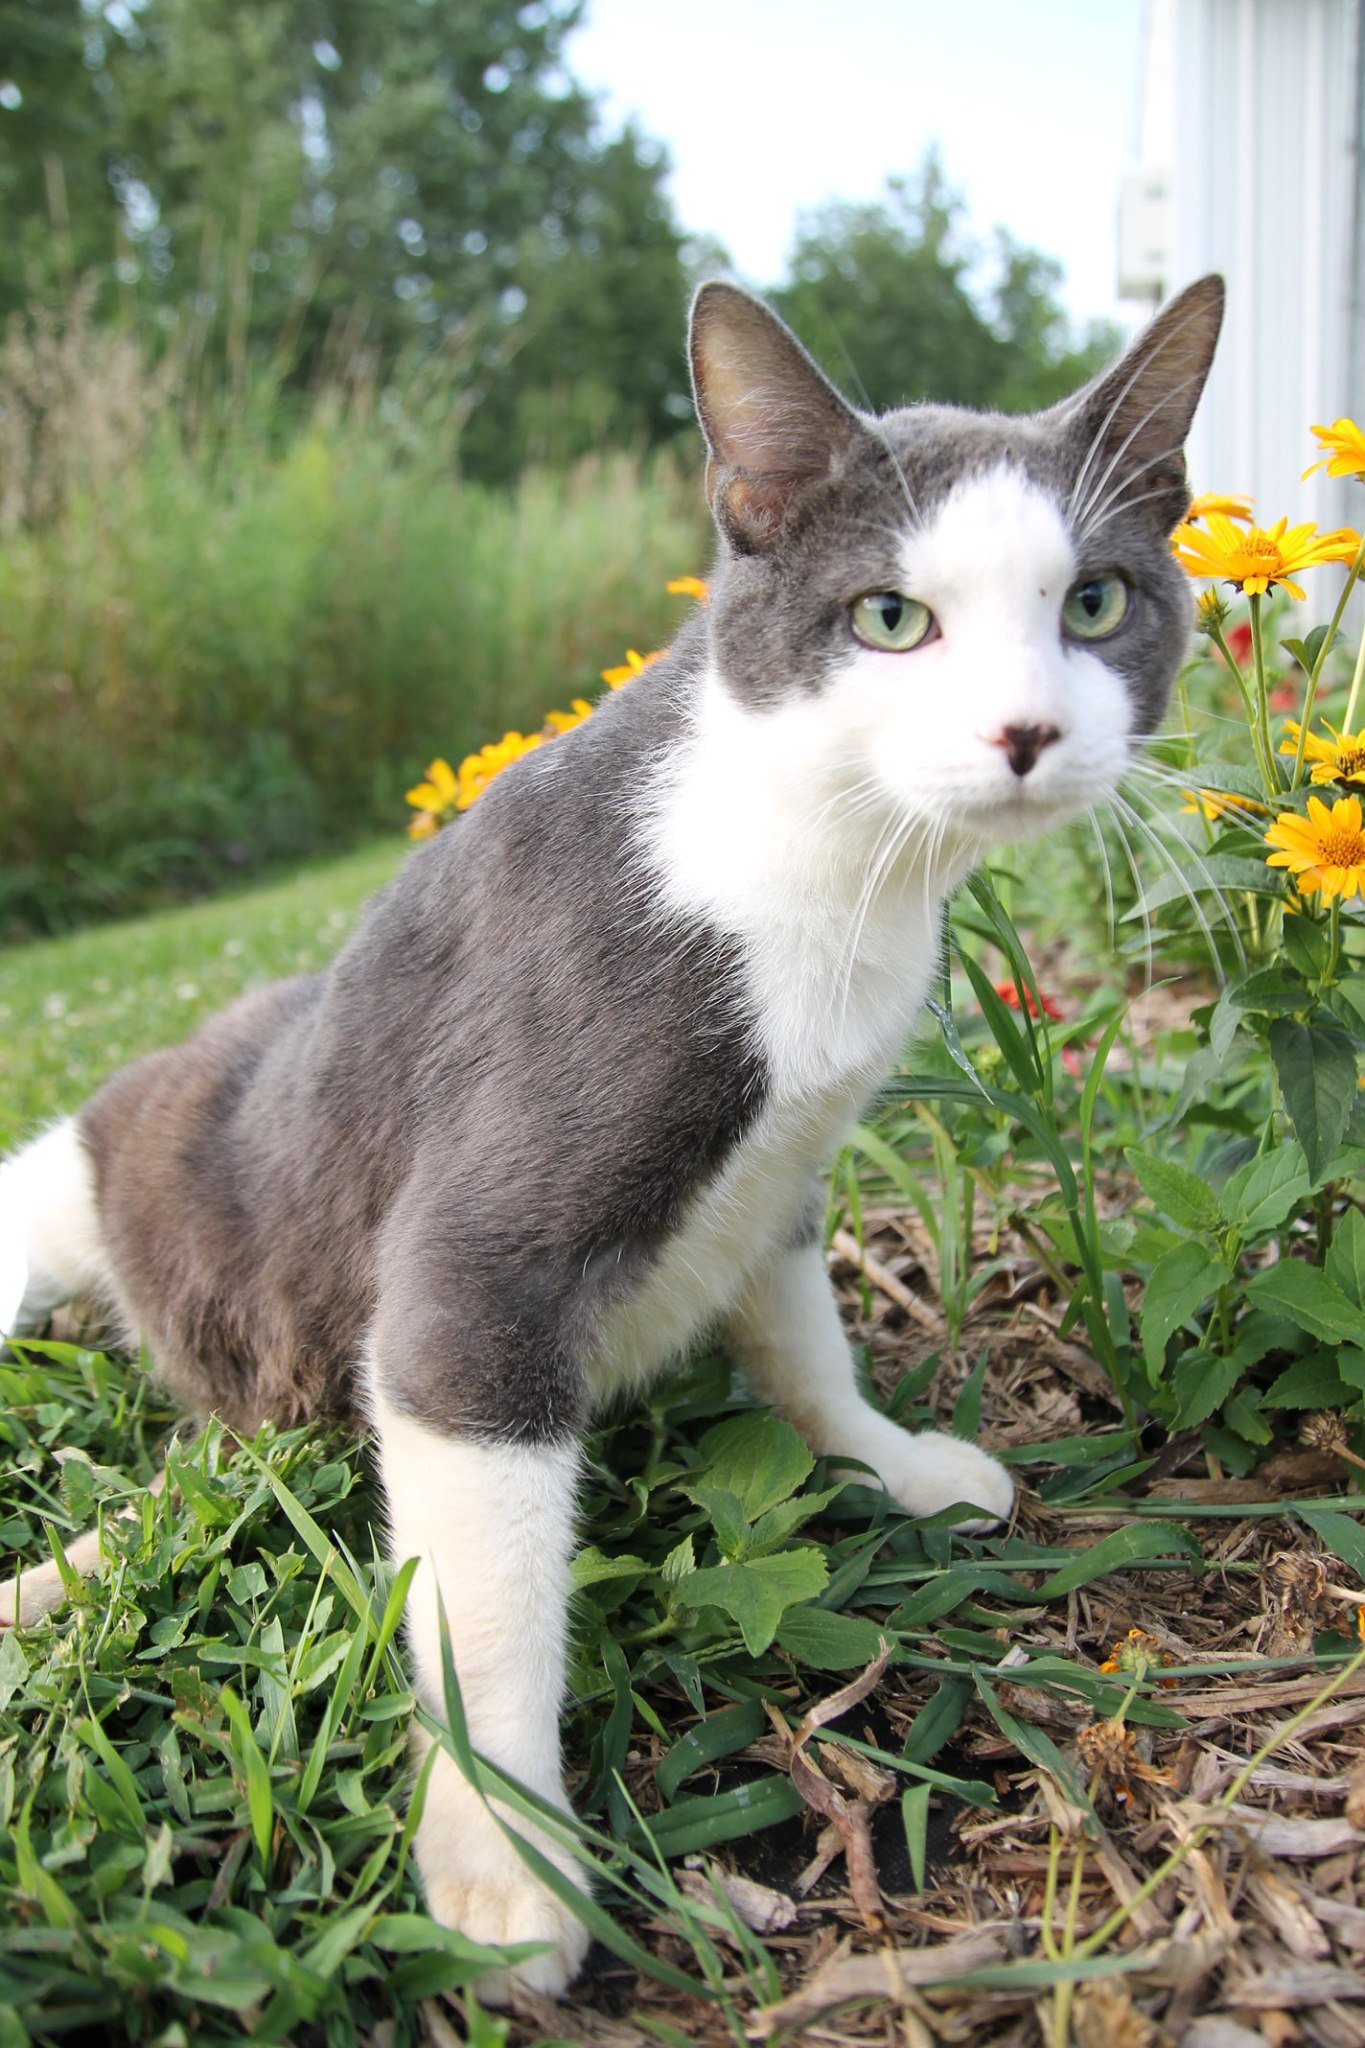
1255 1939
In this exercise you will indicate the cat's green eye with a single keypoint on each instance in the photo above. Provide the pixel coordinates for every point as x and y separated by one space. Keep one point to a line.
1095 607
892 621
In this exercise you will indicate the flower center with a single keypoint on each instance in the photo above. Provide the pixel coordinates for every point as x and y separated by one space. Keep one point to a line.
1260 547
1341 848
1350 760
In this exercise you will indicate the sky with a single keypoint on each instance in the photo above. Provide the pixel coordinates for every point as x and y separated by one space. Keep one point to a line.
771 106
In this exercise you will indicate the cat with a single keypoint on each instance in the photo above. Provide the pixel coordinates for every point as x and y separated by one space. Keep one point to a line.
560 1104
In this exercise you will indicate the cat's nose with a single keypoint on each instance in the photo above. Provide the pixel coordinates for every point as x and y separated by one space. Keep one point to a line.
1022 744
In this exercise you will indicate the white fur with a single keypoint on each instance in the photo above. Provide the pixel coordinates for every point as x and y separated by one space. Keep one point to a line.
825 832
493 1527
51 1250
791 1343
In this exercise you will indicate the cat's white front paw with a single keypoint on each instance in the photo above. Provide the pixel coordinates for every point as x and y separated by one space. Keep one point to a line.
924 1474
510 1905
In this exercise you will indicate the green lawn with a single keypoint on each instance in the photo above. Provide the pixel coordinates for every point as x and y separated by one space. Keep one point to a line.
72 1009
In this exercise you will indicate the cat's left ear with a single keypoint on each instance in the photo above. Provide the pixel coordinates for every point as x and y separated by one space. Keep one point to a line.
1129 426
773 422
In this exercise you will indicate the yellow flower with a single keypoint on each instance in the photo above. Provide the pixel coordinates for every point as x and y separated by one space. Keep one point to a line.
1254 557
1340 759
1344 449
478 770
440 792
565 721
423 825
1220 803
1232 507
634 665
1325 850
688 586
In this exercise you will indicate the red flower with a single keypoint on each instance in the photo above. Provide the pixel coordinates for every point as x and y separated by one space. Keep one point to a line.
1008 992
1239 642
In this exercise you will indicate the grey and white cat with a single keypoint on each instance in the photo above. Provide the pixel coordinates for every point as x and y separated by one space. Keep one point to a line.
561 1104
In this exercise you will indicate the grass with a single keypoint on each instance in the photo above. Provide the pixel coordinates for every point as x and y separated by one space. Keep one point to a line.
74 1008
201 1759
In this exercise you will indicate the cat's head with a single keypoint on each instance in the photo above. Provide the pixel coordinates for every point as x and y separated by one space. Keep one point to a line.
979 615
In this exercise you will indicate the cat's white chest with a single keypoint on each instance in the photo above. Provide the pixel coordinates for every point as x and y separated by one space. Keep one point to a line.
754 1208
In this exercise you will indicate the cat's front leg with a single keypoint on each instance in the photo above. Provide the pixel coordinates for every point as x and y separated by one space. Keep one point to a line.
788 1337
491 1520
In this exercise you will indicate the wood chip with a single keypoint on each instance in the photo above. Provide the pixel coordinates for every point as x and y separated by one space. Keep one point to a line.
885 1281
1297 1985
854 1977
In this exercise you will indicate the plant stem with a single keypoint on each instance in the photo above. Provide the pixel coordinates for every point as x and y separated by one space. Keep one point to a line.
1310 695
1248 703
1351 701
1262 705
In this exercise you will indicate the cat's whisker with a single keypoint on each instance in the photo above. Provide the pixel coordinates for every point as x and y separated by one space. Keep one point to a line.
1107 873
1100 510
1140 369
1166 856
1164 403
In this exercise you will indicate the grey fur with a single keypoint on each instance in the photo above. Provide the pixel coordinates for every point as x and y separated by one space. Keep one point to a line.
470 1137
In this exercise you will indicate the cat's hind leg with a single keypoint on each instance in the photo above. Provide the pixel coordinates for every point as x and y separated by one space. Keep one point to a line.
51 1247
489 1515
787 1335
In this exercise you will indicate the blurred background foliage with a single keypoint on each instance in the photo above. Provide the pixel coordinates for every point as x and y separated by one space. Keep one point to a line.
344 413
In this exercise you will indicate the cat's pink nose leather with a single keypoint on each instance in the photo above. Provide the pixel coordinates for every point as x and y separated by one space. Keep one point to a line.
1024 743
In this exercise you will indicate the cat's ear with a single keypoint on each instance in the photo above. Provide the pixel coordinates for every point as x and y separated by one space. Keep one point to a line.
773 422
1129 426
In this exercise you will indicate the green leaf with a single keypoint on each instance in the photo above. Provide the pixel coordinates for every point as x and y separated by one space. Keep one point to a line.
1259 1196
1348 999
757 1457
1201 1386
777 1525
1311 1382
1345 1264
720 1734
967 1407
700 1823
592 1568
1180 1280
246 1752
937 1721
1270 990
1242 1413
1316 1065
1135 1545
1306 1295
1306 944
1307 651
915 1815
1344 1537
728 1521
824 1641
757 1593
1180 1194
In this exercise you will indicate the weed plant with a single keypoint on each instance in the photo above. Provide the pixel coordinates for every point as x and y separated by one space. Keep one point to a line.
231 625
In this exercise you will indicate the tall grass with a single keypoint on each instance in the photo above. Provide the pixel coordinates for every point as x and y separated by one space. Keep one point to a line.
235 631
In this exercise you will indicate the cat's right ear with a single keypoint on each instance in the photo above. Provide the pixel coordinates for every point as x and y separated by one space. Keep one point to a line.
1133 420
773 422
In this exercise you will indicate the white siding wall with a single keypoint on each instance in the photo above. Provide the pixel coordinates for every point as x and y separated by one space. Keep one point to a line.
1257 104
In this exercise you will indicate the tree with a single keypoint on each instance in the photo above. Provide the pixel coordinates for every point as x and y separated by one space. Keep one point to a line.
883 295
